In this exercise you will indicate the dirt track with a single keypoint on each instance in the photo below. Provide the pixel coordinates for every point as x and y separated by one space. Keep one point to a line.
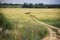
52 35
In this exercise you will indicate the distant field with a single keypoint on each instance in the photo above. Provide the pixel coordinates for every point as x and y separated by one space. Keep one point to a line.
40 13
48 15
24 24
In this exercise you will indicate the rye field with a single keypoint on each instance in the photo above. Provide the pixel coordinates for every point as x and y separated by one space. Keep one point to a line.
52 16
25 27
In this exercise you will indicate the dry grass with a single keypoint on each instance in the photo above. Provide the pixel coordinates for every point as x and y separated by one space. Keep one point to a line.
40 13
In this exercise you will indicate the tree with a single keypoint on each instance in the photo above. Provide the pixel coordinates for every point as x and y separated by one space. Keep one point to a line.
36 6
25 5
31 5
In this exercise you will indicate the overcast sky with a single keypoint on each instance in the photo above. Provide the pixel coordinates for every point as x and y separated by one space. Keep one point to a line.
31 1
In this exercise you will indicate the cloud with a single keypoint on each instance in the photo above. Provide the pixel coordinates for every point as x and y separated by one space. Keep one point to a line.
31 1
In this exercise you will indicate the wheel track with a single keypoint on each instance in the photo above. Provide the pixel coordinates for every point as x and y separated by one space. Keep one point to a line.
52 35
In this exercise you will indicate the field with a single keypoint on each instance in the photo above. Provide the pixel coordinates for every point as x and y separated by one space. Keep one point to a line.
48 15
26 28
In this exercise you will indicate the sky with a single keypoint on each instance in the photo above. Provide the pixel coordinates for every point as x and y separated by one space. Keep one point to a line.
31 1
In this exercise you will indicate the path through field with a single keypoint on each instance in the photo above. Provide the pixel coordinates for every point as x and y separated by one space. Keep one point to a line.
52 35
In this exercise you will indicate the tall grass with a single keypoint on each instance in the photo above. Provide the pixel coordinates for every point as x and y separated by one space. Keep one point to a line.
32 31
5 25
28 31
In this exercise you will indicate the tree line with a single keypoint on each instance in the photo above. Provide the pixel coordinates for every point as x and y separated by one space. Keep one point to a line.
30 5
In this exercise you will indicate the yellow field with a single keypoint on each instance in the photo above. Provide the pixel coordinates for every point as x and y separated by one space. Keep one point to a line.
40 13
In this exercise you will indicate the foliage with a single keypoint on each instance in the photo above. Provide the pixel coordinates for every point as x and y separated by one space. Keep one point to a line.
26 5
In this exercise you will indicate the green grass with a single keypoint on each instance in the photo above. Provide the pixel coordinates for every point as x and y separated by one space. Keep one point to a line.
28 29
53 22
5 24
31 31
